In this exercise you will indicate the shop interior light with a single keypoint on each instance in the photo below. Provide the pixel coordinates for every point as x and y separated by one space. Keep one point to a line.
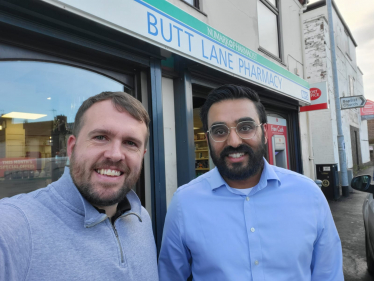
196 128
23 115
1 127
48 98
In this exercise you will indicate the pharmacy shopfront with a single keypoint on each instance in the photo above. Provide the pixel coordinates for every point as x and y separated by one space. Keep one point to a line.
55 54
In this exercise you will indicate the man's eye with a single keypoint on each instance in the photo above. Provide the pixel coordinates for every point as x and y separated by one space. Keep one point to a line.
246 128
100 138
131 143
219 131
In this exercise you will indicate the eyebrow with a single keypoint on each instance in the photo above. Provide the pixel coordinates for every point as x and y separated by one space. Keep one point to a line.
245 119
236 121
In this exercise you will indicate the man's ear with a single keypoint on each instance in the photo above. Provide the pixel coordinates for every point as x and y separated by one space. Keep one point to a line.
265 132
145 150
71 143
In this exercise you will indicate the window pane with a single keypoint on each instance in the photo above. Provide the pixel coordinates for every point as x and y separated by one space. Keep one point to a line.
272 2
189 2
268 29
38 104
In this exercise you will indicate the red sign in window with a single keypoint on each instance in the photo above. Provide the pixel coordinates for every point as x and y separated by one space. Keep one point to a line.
17 164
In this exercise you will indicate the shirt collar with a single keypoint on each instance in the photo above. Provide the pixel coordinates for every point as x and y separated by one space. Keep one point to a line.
72 198
215 179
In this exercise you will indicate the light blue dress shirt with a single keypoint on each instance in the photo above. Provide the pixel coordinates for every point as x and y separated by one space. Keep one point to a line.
282 231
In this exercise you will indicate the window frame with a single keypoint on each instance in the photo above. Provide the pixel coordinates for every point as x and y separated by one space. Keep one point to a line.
196 4
11 51
277 11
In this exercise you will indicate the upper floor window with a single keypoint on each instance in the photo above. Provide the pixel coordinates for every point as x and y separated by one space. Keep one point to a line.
351 85
194 3
268 27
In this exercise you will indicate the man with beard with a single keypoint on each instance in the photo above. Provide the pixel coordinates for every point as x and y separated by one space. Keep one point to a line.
246 219
88 225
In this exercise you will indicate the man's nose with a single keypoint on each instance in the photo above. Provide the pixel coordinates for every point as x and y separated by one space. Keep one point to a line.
114 151
233 139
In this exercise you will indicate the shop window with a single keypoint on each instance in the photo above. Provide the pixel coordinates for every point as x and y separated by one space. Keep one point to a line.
194 3
203 162
39 101
268 27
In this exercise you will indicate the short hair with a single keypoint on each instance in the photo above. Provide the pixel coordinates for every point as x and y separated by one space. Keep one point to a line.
121 101
231 92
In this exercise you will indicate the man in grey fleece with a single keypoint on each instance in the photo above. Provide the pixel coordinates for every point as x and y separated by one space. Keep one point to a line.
88 225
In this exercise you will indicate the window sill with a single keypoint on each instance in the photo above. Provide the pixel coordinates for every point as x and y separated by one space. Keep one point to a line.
188 4
271 55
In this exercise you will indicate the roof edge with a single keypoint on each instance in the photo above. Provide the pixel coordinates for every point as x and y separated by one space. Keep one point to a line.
322 3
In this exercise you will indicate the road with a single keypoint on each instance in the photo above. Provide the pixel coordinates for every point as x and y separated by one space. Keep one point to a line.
347 213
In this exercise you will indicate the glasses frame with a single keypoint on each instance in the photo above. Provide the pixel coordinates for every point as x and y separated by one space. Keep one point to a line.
236 130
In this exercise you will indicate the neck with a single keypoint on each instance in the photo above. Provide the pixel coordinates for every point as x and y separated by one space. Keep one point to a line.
246 183
109 210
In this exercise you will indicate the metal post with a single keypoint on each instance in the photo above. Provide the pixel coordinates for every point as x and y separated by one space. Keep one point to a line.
341 145
157 152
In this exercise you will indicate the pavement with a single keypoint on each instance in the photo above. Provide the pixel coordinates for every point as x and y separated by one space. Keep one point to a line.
347 213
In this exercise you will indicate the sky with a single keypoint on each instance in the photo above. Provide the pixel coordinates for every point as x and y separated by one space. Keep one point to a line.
359 16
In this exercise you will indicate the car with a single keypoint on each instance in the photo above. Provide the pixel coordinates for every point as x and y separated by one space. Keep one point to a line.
363 183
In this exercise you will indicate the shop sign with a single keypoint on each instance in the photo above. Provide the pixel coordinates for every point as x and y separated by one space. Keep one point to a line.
17 164
367 112
165 25
318 97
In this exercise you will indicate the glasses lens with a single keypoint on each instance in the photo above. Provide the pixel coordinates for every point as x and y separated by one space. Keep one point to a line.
219 132
246 130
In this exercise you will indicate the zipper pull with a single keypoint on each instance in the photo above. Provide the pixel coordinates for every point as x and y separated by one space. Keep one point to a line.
115 231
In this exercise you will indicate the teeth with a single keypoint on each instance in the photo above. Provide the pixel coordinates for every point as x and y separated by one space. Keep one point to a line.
109 172
236 155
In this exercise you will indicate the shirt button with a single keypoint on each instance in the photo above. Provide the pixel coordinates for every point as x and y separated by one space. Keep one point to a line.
256 262
247 198
252 229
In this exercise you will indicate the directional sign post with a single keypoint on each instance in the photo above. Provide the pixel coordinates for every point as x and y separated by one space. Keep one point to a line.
352 102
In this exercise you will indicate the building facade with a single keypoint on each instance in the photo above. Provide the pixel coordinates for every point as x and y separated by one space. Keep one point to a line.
169 55
318 69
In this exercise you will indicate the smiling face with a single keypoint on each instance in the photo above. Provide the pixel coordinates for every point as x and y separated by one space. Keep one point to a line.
236 158
106 157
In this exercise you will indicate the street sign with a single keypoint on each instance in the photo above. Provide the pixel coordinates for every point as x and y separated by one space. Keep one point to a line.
352 102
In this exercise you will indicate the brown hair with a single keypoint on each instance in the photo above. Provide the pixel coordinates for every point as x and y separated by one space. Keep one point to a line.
121 101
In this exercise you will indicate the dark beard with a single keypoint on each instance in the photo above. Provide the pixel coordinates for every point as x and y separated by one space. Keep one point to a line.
86 189
239 171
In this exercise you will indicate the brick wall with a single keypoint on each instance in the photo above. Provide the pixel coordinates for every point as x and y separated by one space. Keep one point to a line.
371 131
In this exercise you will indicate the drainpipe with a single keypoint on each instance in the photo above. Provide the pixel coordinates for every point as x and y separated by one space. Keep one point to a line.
341 145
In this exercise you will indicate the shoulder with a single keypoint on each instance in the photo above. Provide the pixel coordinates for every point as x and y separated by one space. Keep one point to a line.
24 201
196 185
291 178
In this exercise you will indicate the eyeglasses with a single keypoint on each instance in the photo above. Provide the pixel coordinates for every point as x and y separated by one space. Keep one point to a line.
245 130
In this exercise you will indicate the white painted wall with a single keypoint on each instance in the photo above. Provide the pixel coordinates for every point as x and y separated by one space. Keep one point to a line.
306 145
318 67
169 138
364 136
